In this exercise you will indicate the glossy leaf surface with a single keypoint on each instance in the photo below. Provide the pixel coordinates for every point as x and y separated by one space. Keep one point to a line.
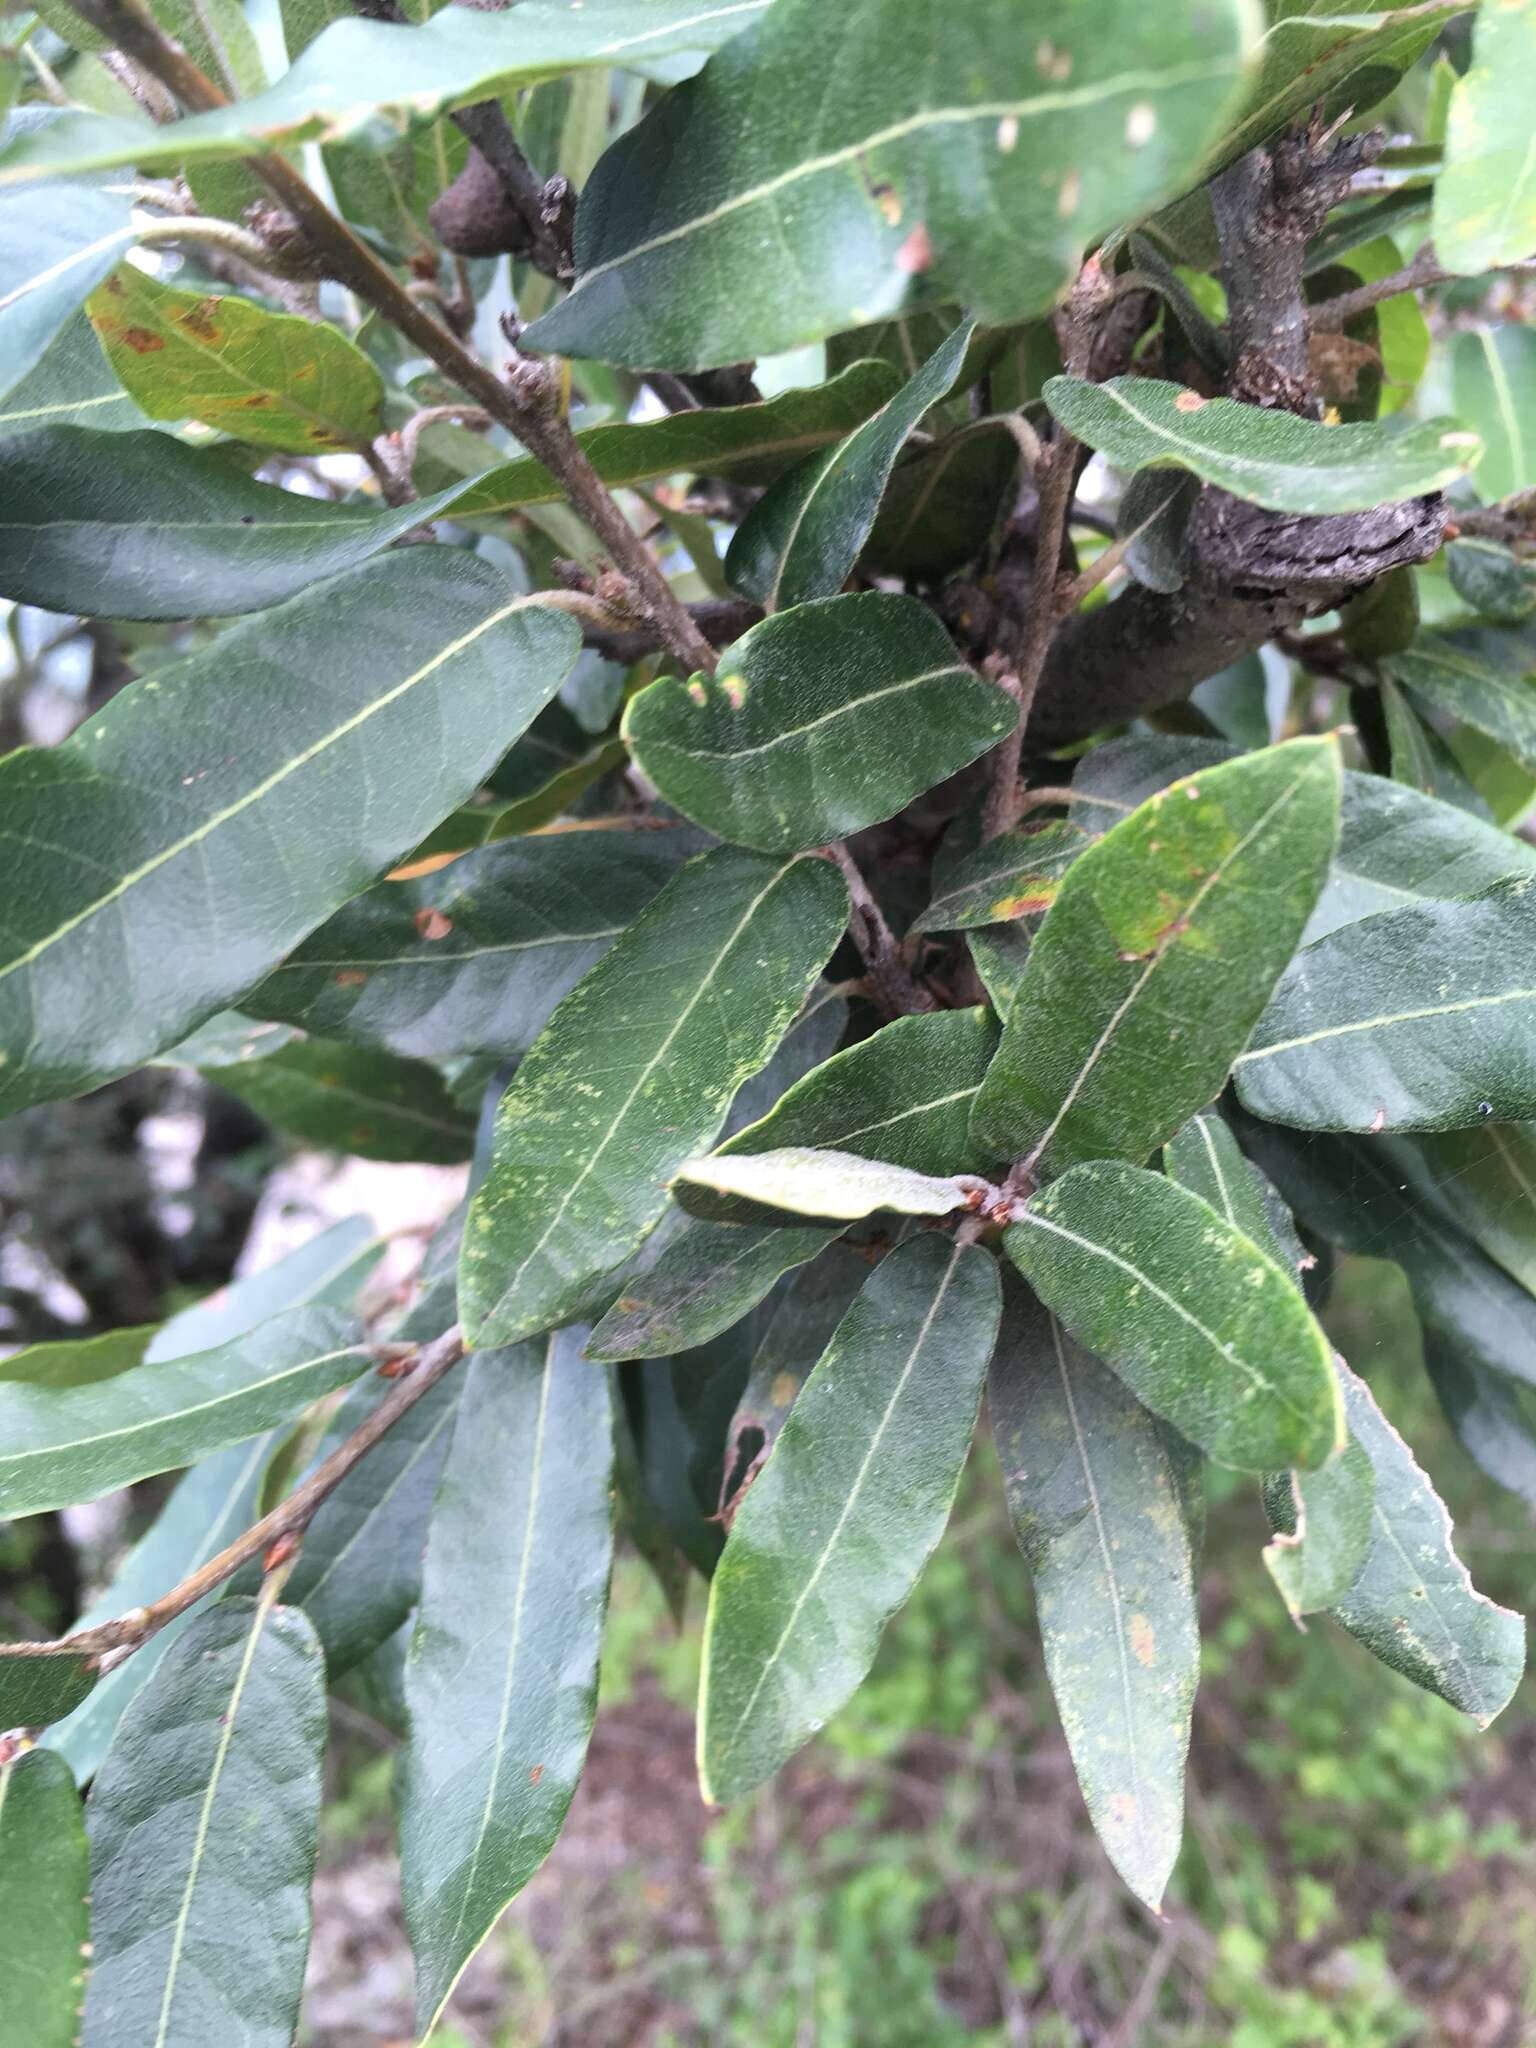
203 1826
708 1277
819 721
1155 960
162 914
633 1074
808 1181
1485 197
1018 874
1420 1019
349 1098
501 1679
270 378
920 177
1493 371
803 537
1447 678
44 1890
69 1444
474 958
37 1690
1266 457
57 246
1106 1505
835 1530
1201 1324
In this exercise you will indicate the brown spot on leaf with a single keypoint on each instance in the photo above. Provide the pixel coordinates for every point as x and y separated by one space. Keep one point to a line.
142 340
535 1774
432 924
784 1389
349 977
256 401
885 198
1188 401
1143 1641
1032 896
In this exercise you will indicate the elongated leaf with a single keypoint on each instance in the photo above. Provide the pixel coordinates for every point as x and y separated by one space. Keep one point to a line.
55 248
633 1073
219 1496
472 959
808 1313
836 1529
1201 1324
1485 196
1157 957
348 1098
356 68
1413 1604
1106 1505
271 378
1205 1158
152 918
1483 1181
1493 1414
1266 457
501 1679
143 527
707 1278
1016 875
78 1361
801 540
62 1445
35 1690
903 1097
819 722
1494 382
1420 758
44 1880
803 1180
1396 844
71 385
754 443
359 1573
1492 581
1323 1529
1451 679
943 503
910 187
1413 1020
202 1826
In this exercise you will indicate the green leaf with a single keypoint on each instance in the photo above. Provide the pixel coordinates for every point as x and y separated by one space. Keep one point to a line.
38 1688
1413 1604
754 443
63 1445
501 1680
203 1824
349 1098
359 1573
1200 1322
819 721
78 1361
1493 1414
943 503
44 1883
1485 196
1420 759
269 378
803 1324
1447 678
707 1278
803 537
218 1498
836 1529
1396 844
1106 1504
1263 456
1018 874
1157 957
632 1074
1323 1529
143 527
55 248
911 187
72 385
1205 1158
355 69
810 1182
1492 581
1413 1020
901 1097
1493 381
275 737
475 957
1484 1182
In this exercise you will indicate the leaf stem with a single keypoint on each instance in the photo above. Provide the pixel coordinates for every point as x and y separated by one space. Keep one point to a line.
1424 270
523 407
287 1520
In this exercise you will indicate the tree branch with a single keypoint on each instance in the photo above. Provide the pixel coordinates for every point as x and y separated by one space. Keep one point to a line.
890 979
1330 315
287 1520
527 408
